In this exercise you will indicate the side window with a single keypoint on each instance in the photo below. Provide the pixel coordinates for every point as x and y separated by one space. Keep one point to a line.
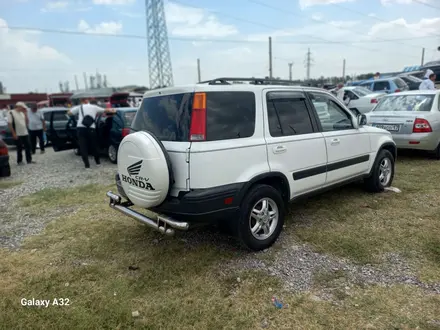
60 116
229 115
381 86
351 95
288 114
331 115
46 116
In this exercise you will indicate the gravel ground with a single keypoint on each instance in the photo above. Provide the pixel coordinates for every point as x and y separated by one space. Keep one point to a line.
294 263
52 170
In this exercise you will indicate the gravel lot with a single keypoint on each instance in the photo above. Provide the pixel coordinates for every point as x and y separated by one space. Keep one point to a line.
294 263
52 170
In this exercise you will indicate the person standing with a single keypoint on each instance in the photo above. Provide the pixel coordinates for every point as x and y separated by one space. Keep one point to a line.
86 130
37 127
429 81
17 122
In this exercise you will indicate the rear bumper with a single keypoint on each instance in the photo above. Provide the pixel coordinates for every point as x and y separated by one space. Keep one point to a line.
199 205
419 141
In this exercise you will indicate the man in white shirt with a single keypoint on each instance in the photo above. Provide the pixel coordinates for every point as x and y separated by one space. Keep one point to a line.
17 122
37 127
428 82
87 137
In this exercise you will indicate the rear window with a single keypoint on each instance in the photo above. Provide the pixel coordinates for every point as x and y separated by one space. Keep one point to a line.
60 116
128 117
168 117
405 103
230 115
381 86
400 83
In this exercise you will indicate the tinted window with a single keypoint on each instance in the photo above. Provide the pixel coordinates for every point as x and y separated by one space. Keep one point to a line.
46 116
60 116
128 117
406 103
381 85
230 115
400 83
288 115
167 117
331 115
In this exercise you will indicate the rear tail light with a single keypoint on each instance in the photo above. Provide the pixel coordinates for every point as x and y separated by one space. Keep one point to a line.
3 151
397 91
373 101
125 132
421 126
197 131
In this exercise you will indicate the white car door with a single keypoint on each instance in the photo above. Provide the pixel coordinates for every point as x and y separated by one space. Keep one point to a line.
295 146
348 147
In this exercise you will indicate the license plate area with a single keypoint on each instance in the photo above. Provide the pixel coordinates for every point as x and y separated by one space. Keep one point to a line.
388 127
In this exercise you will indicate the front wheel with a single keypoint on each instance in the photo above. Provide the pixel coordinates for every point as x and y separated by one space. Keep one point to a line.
382 173
261 217
112 153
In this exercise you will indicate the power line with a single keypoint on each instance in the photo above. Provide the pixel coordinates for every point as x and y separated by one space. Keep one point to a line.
426 4
142 37
375 17
318 20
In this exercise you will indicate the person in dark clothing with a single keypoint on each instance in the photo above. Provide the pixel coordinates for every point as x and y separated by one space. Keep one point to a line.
87 137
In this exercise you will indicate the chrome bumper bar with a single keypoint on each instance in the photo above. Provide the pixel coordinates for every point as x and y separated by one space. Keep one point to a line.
161 223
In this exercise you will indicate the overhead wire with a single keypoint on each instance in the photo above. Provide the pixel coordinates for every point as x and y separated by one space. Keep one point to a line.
426 4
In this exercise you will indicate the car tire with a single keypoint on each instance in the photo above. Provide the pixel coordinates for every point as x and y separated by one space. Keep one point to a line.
382 173
5 171
269 230
112 153
436 153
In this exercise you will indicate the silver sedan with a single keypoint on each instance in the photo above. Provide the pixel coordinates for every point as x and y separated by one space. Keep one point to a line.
412 117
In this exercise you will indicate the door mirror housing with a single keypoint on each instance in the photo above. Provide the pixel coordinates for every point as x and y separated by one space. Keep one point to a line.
362 120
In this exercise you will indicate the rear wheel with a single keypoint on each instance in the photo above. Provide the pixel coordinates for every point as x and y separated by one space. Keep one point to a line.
112 153
382 173
261 217
5 171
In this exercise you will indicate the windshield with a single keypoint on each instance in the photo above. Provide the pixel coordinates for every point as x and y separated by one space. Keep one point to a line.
361 91
418 102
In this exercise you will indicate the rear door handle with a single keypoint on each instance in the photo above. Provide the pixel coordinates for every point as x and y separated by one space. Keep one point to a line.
279 149
335 142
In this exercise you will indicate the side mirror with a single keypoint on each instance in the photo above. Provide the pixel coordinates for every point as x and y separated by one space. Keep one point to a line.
362 120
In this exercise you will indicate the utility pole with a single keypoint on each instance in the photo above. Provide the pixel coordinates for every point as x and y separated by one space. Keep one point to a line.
76 82
308 63
199 74
85 81
290 70
270 58
423 56
343 70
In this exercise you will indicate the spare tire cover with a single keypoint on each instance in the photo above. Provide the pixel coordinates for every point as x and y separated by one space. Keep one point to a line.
143 169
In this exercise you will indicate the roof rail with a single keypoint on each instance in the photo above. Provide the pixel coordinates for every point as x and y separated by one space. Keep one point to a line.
252 81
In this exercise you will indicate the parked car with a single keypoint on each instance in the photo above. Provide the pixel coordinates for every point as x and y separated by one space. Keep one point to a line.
413 118
362 100
5 169
59 131
231 153
110 129
412 81
387 85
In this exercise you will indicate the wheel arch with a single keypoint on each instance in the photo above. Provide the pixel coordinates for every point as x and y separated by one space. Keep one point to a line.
275 179
391 147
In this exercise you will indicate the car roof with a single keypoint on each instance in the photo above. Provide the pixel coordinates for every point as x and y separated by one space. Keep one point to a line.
416 92
53 109
386 79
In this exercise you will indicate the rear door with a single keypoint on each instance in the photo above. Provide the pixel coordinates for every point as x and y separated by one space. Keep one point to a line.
348 147
166 113
294 143
61 130
234 149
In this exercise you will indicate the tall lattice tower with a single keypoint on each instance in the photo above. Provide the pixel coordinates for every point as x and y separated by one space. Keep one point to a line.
159 59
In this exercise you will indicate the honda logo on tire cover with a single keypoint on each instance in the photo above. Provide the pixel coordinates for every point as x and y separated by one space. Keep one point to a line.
134 179
135 168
